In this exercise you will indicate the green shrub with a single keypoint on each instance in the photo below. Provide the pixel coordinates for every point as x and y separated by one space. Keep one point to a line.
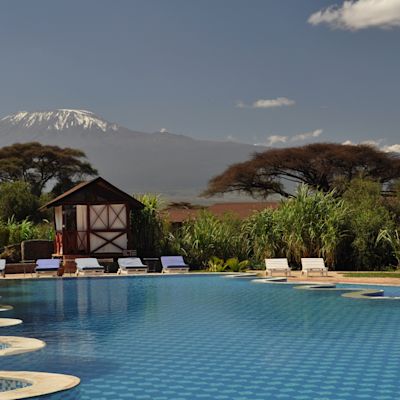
216 264
208 236
368 217
234 265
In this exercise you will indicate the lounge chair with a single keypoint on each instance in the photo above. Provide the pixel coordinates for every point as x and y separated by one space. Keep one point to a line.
88 266
313 265
131 265
45 266
3 268
277 264
171 264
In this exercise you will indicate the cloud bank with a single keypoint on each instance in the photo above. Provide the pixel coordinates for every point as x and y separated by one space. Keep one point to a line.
359 14
393 148
276 139
306 135
268 103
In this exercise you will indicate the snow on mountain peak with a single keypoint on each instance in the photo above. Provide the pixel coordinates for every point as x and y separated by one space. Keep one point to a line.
58 120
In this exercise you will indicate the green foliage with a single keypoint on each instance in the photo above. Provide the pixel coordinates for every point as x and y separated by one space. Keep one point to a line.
368 217
392 237
150 230
208 235
234 265
216 264
309 225
262 235
372 275
17 201
14 232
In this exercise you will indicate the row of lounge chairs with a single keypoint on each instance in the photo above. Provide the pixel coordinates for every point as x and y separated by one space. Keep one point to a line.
91 266
308 265
170 264
131 265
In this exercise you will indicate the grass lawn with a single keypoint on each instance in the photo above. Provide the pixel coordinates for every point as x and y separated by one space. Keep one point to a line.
372 275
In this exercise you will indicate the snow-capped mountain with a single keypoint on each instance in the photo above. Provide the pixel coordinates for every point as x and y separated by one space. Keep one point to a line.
161 162
56 121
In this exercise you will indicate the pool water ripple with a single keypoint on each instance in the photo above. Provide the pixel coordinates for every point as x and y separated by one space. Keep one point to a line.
198 337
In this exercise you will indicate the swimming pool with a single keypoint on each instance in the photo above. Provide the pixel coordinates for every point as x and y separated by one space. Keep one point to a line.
205 337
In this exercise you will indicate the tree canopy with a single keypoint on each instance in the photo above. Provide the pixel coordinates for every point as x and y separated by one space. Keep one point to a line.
322 166
40 165
17 201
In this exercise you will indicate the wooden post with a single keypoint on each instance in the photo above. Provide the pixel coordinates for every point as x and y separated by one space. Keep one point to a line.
88 229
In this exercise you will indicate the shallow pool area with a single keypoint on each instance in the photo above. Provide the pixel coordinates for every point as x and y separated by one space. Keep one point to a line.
205 337
12 384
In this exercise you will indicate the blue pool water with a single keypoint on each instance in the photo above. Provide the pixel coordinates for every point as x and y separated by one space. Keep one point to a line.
205 337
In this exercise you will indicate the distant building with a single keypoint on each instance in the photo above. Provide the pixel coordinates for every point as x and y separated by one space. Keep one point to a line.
178 214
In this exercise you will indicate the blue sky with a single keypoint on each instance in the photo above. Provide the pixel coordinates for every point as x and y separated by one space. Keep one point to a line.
281 72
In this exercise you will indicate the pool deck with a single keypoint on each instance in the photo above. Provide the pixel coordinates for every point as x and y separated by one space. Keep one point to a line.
296 276
338 277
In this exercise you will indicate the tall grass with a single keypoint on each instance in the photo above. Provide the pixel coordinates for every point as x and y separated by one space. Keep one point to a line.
150 230
309 225
208 236
392 237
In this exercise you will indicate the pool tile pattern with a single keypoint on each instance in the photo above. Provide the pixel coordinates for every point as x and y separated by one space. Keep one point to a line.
206 337
12 384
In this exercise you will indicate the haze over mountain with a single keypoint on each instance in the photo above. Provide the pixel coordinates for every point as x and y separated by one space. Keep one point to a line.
161 162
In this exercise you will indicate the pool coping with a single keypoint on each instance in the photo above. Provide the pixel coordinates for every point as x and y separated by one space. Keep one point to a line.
348 292
4 322
42 383
20 345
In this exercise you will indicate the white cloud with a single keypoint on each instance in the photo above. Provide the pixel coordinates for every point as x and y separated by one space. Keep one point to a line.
394 148
163 130
347 143
359 14
267 103
306 135
372 142
274 139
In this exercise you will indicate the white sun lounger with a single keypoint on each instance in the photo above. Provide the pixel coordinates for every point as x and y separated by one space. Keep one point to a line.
131 265
3 268
277 265
173 264
47 266
313 265
88 266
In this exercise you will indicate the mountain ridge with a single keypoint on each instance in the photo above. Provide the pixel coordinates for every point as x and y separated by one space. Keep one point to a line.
175 165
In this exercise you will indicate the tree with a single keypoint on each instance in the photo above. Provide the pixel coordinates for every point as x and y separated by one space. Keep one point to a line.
322 166
17 201
40 165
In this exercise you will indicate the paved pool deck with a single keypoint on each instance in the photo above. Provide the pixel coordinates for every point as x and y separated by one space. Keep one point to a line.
296 276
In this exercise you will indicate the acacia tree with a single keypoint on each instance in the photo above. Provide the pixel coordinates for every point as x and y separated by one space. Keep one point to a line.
322 166
40 165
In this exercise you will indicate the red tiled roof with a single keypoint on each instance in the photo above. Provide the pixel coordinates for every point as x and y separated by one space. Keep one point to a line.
240 210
